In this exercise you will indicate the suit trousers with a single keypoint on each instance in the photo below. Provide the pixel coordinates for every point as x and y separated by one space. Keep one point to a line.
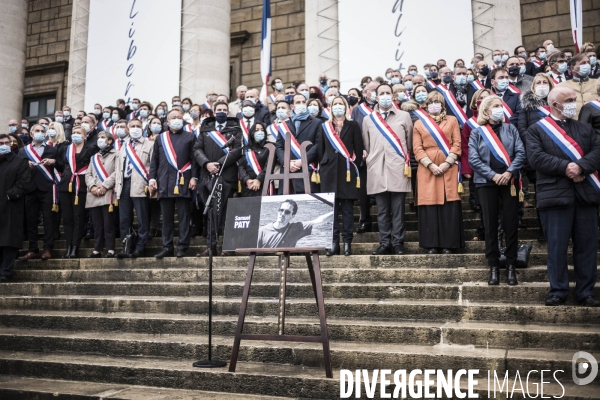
347 209
74 217
104 228
365 202
579 222
167 206
142 210
34 202
491 197
212 236
8 255
390 218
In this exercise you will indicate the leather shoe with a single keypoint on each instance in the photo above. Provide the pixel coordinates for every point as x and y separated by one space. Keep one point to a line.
30 256
68 253
136 254
347 249
589 301
364 227
511 275
180 253
4 278
95 255
382 250
224 253
122 254
447 251
205 253
334 250
73 252
109 254
46 255
432 251
494 276
555 301
399 250
163 254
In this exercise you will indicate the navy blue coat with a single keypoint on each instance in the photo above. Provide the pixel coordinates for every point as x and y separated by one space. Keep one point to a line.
38 179
513 100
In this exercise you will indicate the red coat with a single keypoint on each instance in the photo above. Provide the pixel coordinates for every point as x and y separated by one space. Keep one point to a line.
464 144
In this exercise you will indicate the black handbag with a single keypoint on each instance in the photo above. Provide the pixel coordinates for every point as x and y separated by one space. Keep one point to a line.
522 256
130 241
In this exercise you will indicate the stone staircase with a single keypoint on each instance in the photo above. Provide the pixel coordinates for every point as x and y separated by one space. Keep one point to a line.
131 329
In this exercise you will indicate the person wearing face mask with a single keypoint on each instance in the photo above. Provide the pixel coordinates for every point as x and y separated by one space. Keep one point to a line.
88 123
131 186
510 99
520 51
323 83
590 113
338 140
399 95
14 184
304 128
261 112
584 87
595 66
353 98
417 101
98 110
434 75
235 106
155 128
497 58
315 109
388 168
515 78
144 114
13 126
56 136
194 125
73 189
121 134
161 112
173 176
67 122
558 67
450 90
282 114
100 180
253 162
45 163
277 89
210 157
247 117
567 195
540 61
438 197
105 120
135 113
497 182
330 94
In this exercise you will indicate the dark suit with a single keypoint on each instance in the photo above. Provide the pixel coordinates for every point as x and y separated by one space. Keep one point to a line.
513 100
365 199
307 132
261 114
530 69
39 196
167 178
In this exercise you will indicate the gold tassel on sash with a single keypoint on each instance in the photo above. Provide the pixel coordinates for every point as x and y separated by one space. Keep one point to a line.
116 202
513 191
348 176
110 208
176 190
54 207
313 177
181 180
70 187
239 186
521 196
76 200
358 182
461 188
318 178
145 189
407 171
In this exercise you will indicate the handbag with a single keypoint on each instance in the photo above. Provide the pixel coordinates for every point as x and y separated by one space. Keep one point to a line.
523 253
130 241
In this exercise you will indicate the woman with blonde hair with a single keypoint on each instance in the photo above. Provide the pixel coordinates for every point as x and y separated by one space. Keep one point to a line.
496 155
399 94
534 103
436 144
56 136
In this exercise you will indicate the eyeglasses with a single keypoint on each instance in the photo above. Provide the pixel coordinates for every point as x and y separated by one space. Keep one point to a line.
286 212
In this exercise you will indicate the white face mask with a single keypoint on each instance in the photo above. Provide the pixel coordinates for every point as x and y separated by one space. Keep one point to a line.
52 133
279 86
497 114
569 109
101 143
330 99
299 109
542 90
338 110
248 112
313 110
135 133
252 99
86 127
121 133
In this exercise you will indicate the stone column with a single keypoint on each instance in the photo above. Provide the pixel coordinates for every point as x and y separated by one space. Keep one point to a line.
322 51
205 44
78 55
496 25
13 45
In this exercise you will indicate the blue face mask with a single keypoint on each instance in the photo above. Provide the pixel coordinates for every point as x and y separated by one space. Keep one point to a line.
562 67
4 149
155 128
39 137
421 97
522 70
12 129
470 78
593 60
413 72
460 79
77 138
281 113
221 117
115 117
502 85
144 113
584 70
259 136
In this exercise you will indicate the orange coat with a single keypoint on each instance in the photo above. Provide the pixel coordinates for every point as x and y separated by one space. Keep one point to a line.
431 189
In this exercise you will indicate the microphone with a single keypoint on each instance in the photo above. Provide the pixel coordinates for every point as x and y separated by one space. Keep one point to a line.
229 143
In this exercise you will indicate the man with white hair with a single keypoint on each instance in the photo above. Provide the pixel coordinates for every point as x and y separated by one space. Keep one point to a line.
236 106
261 112
568 195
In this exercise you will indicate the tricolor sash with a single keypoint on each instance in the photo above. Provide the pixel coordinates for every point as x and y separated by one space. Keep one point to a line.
364 109
508 112
104 124
477 84
253 161
172 159
556 82
388 133
595 104
513 88
295 149
544 111
273 130
472 122
136 161
340 147
219 139
130 116
190 129
568 145
538 63
431 85
102 175
207 105
70 154
326 112
245 132
451 102
499 152
272 98
117 144
435 131
47 172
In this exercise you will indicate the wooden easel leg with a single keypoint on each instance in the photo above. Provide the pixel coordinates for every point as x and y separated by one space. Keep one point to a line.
282 289
242 317
311 272
321 306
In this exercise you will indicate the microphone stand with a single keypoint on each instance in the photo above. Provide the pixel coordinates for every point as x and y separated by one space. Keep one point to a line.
212 227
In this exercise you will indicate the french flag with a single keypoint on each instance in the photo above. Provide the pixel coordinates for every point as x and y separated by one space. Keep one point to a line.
265 49
577 23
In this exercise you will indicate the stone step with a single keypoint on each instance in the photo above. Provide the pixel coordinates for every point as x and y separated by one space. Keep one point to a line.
292 381
392 309
462 260
478 291
341 275
427 333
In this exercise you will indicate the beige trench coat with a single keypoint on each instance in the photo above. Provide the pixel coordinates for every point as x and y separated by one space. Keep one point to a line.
92 179
385 168
143 149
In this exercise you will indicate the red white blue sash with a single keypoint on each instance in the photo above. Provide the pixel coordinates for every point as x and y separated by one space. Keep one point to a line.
364 109
104 124
431 85
273 130
172 156
513 88
131 116
435 131
453 104
219 139
136 161
477 84
508 112
544 111
253 161
207 105
538 63
272 98
340 147
70 154
569 146
99 168
47 172
495 144
294 145
388 133
556 82
117 144
595 104
326 113
245 132
472 122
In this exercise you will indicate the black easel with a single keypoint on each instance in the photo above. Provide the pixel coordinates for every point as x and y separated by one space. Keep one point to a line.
312 260
212 228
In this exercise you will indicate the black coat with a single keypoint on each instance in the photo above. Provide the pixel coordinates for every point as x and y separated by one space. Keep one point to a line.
513 100
82 159
307 133
68 126
246 172
165 174
92 137
38 179
553 188
261 114
590 115
14 181
529 116
530 69
206 150
471 91
333 164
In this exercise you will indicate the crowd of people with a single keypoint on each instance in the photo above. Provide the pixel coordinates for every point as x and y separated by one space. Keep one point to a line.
530 117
